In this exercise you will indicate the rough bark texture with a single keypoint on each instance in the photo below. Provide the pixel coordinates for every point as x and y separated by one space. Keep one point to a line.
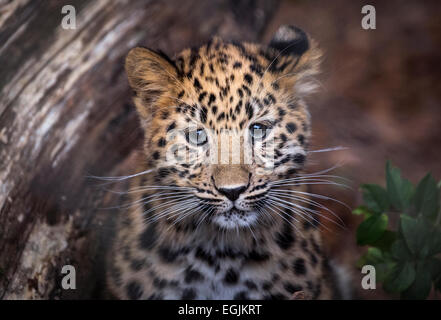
66 113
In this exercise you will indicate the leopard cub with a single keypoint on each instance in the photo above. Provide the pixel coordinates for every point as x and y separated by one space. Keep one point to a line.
220 209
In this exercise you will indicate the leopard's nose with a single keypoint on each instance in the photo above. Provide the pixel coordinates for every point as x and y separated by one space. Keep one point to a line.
232 193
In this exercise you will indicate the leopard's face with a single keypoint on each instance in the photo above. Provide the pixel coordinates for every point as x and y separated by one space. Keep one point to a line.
225 122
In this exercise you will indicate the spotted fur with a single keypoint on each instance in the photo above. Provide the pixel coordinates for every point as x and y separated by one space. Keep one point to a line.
234 245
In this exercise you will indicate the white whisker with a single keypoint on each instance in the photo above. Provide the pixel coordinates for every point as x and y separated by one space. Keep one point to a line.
328 149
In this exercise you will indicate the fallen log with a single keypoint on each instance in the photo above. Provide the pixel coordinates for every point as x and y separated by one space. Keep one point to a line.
66 113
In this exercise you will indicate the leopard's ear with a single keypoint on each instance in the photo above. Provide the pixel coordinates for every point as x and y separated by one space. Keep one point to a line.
150 74
290 40
300 56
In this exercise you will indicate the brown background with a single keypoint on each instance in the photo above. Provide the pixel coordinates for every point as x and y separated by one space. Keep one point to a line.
66 112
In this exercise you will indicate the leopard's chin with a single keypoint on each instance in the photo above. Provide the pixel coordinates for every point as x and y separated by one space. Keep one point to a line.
234 219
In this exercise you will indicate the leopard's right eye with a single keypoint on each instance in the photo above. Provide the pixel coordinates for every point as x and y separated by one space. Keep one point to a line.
258 131
197 137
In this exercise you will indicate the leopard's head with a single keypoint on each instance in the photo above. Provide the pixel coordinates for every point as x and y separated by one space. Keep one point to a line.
225 122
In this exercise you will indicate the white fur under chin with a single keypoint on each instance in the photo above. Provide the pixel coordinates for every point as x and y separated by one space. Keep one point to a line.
343 280
235 220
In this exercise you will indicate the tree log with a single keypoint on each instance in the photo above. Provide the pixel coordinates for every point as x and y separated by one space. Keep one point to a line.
66 113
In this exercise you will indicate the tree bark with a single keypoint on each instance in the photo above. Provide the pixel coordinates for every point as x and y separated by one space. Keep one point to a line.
66 113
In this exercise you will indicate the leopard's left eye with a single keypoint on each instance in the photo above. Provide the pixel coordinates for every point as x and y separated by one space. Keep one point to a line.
258 131
197 137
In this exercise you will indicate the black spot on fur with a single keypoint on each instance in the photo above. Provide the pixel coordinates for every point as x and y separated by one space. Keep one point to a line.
283 137
197 84
313 259
285 238
246 89
299 267
134 290
192 275
148 236
242 295
249 110
255 256
167 255
299 158
257 69
267 285
165 115
211 99
238 107
136 264
202 255
156 155
291 127
271 98
248 78
162 173
316 246
159 283
282 112
202 96
221 116
237 65
155 296
188 294
250 285
277 296
161 142
231 276
171 126
291 288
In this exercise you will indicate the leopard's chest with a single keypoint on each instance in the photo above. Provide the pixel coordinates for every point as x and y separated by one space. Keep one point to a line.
224 279
235 277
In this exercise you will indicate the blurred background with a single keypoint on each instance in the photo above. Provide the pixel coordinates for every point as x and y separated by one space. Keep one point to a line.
66 112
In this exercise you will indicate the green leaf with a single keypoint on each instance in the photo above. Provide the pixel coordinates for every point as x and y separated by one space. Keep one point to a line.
435 270
426 198
435 267
400 191
415 232
371 229
437 284
400 251
372 256
384 269
401 277
386 240
422 284
433 242
362 210
375 197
